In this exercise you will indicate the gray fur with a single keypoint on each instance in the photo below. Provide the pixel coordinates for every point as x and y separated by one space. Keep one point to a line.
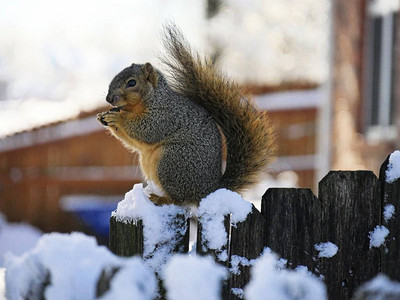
190 167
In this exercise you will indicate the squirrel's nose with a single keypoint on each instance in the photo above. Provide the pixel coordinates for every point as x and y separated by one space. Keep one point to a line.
112 99
115 98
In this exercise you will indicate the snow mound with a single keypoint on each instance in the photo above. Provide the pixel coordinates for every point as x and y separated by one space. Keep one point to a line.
16 238
380 287
68 266
193 277
270 282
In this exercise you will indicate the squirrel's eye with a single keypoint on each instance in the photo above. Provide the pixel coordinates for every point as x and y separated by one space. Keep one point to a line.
131 83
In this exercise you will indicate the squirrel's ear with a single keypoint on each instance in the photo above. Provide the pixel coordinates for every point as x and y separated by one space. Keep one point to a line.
150 74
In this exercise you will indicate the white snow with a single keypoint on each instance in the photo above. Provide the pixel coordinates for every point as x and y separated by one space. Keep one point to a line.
383 7
238 292
16 238
378 236
159 227
73 264
327 249
237 261
211 212
268 282
2 284
393 167
193 277
133 281
388 212
380 287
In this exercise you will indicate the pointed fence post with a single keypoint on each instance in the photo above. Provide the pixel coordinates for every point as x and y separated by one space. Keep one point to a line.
390 254
351 208
292 224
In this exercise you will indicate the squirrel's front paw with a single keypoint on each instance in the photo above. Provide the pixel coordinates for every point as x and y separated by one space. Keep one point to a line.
110 118
100 118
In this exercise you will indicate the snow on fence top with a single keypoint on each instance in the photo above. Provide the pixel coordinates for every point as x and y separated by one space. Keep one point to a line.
393 167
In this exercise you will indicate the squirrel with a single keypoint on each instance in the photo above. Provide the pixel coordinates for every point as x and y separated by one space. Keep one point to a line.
180 126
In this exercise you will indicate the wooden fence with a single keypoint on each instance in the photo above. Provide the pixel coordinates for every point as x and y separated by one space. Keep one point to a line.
349 206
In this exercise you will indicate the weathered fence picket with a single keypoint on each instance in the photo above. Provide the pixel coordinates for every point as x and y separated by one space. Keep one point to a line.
390 254
292 225
292 221
350 210
246 242
126 238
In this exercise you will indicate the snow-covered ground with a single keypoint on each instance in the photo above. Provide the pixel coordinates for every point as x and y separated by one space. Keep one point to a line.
16 238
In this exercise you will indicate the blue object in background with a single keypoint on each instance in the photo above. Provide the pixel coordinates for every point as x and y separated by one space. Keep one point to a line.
94 211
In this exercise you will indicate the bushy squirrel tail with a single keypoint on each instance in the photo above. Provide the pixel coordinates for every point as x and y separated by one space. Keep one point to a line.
248 133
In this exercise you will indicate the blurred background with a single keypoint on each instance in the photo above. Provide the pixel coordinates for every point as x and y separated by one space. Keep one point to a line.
326 70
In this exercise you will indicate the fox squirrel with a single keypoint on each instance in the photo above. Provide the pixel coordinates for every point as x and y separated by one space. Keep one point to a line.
176 126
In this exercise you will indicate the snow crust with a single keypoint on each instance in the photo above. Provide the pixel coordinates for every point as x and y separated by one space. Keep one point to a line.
388 212
393 167
212 211
378 236
270 282
71 264
327 249
193 277
160 229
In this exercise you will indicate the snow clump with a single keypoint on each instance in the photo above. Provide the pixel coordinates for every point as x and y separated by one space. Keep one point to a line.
388 213
211 214
378 236
393 167
327 249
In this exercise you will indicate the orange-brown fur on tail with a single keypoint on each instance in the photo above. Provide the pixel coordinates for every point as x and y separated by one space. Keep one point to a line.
249 134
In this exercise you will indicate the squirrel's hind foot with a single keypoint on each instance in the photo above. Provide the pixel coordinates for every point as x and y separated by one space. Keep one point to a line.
159 200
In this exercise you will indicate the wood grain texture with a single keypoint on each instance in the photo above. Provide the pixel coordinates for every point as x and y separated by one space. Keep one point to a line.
247 241
390 254
292 223
126 239
351 208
